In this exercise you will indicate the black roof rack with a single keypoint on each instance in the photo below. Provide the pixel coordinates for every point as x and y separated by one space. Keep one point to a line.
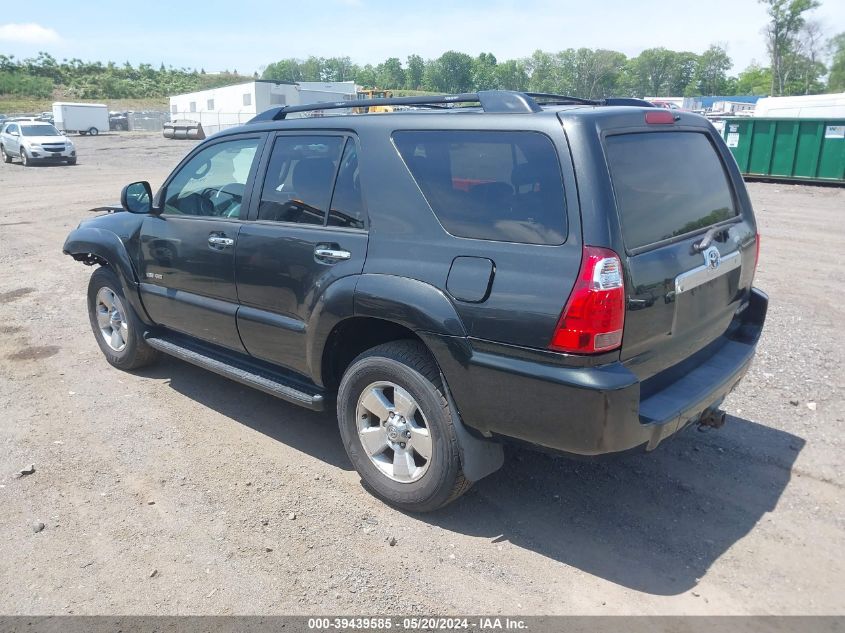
561 99
490 101
501 101
609 101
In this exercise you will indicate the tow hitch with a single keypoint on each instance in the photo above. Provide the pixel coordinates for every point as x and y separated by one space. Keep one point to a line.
714 419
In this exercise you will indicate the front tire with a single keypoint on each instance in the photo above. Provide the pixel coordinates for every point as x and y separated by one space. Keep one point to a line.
26 161
117 329
71 161
397 429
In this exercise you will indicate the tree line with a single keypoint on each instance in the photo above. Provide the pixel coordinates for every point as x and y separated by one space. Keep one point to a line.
41 76
584 72
796 46
801 61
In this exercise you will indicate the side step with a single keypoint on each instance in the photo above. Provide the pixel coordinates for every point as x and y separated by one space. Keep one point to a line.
240 368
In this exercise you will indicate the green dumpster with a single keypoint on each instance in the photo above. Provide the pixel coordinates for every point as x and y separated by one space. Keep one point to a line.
810 150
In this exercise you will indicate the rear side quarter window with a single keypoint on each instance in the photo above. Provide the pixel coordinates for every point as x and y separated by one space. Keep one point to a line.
490 185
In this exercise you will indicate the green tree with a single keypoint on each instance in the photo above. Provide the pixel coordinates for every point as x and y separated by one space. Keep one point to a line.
786 18
414 71
283 70
390 74
808 68
684 64
593 74
511 75
451 72
836 78
484 72
754 80
338 69
650 73
366 76
711 71
311 69
543 72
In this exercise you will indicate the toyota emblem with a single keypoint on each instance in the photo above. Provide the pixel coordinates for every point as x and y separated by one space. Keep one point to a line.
712 257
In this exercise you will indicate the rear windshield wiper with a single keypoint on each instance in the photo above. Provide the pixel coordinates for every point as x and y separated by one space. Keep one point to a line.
707 239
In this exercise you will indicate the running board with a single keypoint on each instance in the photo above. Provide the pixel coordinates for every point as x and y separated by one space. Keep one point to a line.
242 370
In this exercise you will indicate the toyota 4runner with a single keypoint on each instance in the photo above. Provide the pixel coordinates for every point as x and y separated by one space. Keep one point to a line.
467 269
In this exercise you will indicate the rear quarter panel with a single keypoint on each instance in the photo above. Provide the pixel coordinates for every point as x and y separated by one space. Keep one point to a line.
530 283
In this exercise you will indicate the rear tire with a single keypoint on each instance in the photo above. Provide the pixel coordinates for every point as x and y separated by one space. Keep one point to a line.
6 157
93 131
379 388
118 331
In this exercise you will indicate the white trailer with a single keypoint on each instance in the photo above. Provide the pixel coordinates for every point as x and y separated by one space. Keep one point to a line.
84 118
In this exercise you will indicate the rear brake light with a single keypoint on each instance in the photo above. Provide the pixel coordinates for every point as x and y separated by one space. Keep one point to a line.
594 316
660 117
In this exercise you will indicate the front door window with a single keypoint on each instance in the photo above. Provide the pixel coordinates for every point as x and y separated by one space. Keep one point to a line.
213 182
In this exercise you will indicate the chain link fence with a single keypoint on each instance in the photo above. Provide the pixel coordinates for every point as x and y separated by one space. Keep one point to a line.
212 121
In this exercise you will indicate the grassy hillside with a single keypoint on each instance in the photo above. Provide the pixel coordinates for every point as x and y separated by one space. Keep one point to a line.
28 105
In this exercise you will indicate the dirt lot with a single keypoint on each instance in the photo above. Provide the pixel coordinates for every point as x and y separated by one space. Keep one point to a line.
171 491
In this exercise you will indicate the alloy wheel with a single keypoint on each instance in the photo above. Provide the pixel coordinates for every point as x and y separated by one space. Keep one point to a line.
394 432
111 319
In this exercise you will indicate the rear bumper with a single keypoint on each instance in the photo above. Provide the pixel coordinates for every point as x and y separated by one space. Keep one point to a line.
596 410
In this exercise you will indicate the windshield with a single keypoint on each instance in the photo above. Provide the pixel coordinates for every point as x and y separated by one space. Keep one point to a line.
39 130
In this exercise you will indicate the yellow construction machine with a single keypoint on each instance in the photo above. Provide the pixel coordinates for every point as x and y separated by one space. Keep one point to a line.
373 93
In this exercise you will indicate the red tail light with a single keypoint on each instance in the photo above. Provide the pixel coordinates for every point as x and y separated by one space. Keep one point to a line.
594 316
660 117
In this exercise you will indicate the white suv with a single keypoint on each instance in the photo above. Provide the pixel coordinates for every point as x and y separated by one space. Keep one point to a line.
35 141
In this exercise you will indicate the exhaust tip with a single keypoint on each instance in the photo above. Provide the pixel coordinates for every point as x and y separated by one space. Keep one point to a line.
714 419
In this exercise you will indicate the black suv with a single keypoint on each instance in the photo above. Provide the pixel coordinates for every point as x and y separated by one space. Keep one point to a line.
467 269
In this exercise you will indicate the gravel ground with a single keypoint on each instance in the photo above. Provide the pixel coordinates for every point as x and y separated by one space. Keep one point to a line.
174 491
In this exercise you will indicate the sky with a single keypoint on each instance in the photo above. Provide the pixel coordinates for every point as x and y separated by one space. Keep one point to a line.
246 35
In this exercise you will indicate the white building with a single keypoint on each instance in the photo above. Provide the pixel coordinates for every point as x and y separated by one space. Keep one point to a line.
732 107
228 106
829 106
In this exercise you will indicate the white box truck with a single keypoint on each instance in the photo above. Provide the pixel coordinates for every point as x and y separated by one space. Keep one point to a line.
84 118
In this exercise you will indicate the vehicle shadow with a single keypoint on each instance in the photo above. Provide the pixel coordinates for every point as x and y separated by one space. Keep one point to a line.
307 431
654 522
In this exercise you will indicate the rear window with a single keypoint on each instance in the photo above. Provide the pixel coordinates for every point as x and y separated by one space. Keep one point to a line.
503 186
667 184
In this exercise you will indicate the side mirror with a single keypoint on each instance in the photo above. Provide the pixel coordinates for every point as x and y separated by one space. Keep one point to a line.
137 197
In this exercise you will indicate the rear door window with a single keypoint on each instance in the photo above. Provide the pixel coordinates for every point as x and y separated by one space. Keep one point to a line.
667 184
347 208
503 186
300 175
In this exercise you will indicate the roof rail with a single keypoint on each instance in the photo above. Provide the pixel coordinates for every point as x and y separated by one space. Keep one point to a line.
489 100
609 101
627 101
559 99
500 101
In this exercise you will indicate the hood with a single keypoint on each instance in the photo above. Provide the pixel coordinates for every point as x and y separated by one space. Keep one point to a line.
40 140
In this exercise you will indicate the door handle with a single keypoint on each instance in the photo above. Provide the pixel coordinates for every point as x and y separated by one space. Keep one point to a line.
336 254
220 242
